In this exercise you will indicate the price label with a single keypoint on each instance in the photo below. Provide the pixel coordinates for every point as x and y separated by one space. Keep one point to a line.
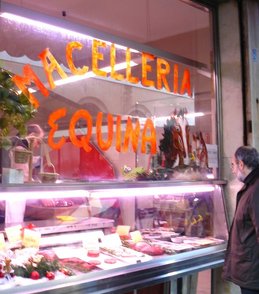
95 202
31 238
111 240
91 243
136 236
2 242
123 230
14 233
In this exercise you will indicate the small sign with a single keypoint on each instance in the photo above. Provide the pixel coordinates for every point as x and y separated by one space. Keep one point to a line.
31 238
136 236
212 155
2 242
14 233
95 202
123 230
91 242
111 240
96 234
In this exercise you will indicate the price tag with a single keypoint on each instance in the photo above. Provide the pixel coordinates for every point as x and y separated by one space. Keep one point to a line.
123 230
2 242
93 234
14 233
111 240
95 202
136 236
91 243
31 238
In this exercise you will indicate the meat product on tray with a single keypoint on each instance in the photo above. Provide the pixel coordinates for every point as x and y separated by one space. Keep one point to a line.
126 254
94 262
110 260
121 251
78 264
146 248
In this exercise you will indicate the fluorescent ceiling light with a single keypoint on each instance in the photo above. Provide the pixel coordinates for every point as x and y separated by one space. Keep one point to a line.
31 90
42 25
90 74
24 195
161 120
107 192
147 191
204 73
48 27
194 114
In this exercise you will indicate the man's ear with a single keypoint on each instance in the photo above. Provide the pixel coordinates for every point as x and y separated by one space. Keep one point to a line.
241 164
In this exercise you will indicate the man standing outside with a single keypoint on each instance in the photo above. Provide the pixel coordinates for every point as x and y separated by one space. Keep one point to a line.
242 257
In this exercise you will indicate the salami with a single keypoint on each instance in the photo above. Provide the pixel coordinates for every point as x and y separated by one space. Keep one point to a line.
148 249
94 262
110 260
77 264
93 253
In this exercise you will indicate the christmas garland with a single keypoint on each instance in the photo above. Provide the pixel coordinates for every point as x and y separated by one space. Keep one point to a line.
38 267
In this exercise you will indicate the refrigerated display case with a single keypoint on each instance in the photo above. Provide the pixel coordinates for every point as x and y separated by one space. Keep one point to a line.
121 237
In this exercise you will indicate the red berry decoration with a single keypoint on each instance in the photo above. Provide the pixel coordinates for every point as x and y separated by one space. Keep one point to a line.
35 275
1 274
50 275
30 226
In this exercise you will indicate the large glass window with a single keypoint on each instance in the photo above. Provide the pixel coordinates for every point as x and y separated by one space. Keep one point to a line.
107 109
110 95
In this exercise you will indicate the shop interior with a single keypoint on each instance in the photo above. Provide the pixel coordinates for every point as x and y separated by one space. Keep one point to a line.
175 33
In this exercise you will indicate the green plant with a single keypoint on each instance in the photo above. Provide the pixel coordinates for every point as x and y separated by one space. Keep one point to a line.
15 108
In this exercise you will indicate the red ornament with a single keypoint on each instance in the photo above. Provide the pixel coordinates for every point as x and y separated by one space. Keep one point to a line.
30 226
50 275
35 275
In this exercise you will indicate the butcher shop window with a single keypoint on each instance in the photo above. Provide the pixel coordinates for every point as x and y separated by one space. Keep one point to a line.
125 104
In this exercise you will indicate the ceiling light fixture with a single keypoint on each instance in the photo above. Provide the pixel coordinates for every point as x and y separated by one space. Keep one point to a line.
25 195
90 74
49 27
147 191
62 25
42 25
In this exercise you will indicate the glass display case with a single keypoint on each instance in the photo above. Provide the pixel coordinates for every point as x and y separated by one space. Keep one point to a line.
110 237
119 191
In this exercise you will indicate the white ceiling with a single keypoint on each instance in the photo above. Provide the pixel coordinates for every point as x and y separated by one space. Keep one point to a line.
142 21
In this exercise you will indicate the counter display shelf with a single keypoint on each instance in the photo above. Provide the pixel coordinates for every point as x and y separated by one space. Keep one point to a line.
123 236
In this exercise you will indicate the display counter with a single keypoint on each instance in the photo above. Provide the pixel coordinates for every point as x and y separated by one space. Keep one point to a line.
121 236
